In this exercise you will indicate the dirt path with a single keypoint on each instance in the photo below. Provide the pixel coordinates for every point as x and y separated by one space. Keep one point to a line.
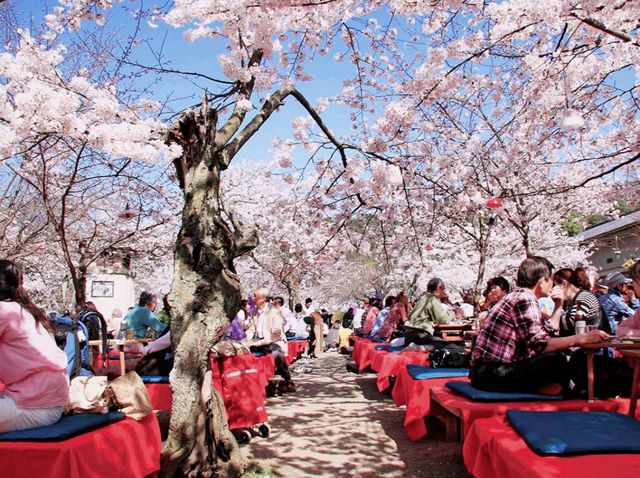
338 425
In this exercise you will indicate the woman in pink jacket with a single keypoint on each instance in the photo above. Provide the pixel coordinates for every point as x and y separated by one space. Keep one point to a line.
397 314
32 368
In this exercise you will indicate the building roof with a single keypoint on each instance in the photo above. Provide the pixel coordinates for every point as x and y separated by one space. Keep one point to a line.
611 226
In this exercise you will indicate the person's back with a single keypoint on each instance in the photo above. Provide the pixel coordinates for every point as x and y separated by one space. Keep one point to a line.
332 336
32 367
141 317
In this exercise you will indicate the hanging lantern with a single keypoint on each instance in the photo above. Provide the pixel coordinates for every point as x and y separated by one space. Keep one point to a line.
41 247
429 247
494 203
128 213
572 120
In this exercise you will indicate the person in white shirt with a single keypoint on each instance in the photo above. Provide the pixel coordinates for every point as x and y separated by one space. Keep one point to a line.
267 335
288 318
358 316
308 306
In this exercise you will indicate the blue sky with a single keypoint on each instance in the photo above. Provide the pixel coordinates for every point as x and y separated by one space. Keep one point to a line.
201 56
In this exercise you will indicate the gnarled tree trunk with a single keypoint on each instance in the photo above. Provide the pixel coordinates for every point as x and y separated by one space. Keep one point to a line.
205 294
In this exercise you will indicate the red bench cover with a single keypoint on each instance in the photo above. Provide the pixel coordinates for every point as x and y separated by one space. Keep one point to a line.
493 448
418 403
296 348
160 395
471 411
126 449
392 363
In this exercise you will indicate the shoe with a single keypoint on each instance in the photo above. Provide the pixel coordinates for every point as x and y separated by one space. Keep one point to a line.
271 389
352 367
286 387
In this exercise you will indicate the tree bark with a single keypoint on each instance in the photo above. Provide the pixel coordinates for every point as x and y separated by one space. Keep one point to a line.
205 294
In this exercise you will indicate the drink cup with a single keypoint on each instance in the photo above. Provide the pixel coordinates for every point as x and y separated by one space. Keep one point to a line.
581 327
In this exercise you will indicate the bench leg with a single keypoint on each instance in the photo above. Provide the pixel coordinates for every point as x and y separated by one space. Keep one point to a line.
449 420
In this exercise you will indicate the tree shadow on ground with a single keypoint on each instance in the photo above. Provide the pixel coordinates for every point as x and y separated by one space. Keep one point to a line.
339 425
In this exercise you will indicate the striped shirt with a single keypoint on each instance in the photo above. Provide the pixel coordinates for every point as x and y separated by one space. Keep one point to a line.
590 307
513 330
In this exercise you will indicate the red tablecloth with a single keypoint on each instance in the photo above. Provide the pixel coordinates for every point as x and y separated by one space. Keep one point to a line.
296 348
160 395
493 448
391 365
123 449
469 411
418 401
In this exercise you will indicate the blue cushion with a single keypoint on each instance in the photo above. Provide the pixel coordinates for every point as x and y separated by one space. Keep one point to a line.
389 348
67 427
467 390
155 378
420 372
577 433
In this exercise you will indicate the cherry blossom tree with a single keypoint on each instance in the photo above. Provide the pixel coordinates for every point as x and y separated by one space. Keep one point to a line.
531 102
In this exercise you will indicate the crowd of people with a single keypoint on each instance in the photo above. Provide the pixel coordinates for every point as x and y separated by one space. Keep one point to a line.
529 334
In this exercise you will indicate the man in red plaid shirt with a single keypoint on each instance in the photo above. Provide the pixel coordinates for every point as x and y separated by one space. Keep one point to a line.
516 349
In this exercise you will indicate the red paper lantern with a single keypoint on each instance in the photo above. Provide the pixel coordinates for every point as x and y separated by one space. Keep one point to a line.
494 203
429 247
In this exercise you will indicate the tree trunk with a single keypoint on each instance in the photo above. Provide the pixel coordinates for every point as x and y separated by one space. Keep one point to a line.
81 285
292 292
485 234
205 295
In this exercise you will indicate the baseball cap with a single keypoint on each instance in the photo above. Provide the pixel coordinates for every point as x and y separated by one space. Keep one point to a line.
614 279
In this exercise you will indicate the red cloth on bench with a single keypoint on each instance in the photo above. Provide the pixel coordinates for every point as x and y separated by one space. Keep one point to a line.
391 365
267 366
358 347
367 353
377 356
160 395
124 449
296 347
493 448
471 411
416 395
240 380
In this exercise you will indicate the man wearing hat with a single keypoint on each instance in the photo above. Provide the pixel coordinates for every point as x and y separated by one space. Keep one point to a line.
613 304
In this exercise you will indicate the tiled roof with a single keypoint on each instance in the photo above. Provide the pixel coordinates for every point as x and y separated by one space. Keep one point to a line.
610 226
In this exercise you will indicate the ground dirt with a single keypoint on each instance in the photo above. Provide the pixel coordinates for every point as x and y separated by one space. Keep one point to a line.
337 424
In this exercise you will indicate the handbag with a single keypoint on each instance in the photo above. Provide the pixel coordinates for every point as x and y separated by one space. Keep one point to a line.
88 395
130 395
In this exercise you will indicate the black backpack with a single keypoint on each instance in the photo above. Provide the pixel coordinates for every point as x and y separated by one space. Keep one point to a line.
450 356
